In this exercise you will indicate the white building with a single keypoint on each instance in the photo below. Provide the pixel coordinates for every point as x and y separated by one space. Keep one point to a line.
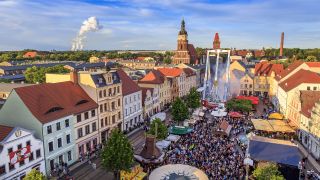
20 152
132 102
151 101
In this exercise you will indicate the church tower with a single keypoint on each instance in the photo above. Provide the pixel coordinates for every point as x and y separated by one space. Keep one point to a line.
216 41
182 54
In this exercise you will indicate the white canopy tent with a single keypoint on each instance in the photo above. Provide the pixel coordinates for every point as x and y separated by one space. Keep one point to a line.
161 116
173 138
163 144
219 113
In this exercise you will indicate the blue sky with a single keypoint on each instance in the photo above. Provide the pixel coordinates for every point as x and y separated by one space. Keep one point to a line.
154 24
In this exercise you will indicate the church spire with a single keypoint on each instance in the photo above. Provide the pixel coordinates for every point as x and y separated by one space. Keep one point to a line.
183 28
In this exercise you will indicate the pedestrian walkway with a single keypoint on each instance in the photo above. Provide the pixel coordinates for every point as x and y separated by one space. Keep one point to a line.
305 153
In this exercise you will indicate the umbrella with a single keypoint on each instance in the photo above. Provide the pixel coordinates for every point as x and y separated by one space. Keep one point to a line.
235 114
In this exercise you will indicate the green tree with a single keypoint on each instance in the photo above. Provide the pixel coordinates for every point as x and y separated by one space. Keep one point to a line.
200 51
179 110
167 60
117 154
34 175
162 130
239 105
38 74
311 59
268 171
193 99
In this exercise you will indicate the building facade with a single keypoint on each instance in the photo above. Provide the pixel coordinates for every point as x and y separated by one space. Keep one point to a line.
246 85
49 109
150 101
20 152
132 102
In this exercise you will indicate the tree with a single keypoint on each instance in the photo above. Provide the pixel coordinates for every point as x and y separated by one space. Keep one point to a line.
193 99
34 175
242 105
167 60
117 154
311 59
162 130
268 171
179 110
38 74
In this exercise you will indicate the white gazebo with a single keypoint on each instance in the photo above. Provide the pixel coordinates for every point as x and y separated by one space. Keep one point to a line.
178 171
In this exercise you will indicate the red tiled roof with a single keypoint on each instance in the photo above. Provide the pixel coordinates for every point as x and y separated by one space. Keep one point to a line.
242 52
128 85
267 68
31 54
188 71
302 76
193 53
140 58
313 64
259 53
4 131
153 77
170 72
308 99
289 69
43 100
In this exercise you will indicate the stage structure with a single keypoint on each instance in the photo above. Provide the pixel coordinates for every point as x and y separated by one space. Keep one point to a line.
213 90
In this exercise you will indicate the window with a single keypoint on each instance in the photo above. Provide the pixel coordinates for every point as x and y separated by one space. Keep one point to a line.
113 119
119 115
38 153
113 105
101 108
87 129
69 156
114 90
68 138
86 115
134 97
314 88
94 127
125 100
93 113
105 106
51 164
11 167
58 126
118 89
31 157
50 146
118 102
308 88
9 150
59 143
100 94
104 93
109 92
49 130
28 143
106 121
19 146
66 122
2 169
80 133
78 118
101 121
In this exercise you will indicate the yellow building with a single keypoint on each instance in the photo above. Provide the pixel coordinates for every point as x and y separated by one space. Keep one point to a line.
104 88
264 76
156 80
238 65
311 140
246 84
138 64
94 59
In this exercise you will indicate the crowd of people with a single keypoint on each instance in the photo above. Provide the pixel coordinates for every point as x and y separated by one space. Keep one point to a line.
219 156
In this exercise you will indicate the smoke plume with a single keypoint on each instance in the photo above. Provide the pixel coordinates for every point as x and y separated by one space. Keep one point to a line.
89 25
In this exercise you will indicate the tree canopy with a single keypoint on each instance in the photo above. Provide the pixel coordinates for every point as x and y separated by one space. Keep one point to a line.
242 105
162 130
193 98
179 110
38 74
34 175
117 154
268 171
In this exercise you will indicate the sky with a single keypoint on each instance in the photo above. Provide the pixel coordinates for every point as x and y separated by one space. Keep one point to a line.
154 24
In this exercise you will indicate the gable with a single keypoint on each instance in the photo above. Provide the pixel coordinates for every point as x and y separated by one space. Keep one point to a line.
15 134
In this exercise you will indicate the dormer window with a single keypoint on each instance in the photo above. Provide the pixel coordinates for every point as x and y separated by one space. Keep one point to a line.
81 102
100 80
54 109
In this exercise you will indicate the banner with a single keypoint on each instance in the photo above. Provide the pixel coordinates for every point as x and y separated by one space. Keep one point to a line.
19 155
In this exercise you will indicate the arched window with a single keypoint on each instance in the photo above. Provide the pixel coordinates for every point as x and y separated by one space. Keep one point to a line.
54 109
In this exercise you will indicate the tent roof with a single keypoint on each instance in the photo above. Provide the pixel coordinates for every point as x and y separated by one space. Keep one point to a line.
271 125
275 116
180 130
279 151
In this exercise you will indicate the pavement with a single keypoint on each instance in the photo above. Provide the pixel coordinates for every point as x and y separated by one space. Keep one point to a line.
311 163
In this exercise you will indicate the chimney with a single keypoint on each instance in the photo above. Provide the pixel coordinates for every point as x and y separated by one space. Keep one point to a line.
281 44
74 76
